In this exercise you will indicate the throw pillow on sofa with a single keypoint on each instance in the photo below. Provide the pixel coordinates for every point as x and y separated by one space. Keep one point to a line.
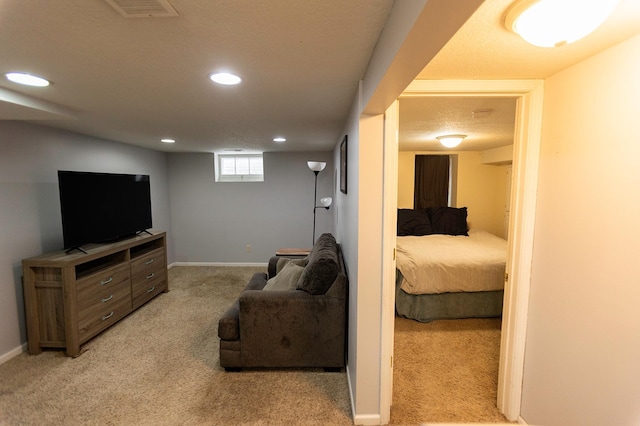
286 279
283 261
320 273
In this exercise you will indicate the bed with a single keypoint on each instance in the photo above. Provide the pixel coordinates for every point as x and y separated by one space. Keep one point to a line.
445 271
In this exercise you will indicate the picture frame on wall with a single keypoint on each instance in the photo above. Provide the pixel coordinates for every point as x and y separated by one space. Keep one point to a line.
343 165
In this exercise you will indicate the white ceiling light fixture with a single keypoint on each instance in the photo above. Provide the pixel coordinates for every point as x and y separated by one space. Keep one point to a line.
225 78
27 79
279 139
168 140
554 23
451 141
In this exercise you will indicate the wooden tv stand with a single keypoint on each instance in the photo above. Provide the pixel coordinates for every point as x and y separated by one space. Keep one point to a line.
70 298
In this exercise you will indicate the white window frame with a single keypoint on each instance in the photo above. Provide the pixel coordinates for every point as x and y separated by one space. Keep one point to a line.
239 175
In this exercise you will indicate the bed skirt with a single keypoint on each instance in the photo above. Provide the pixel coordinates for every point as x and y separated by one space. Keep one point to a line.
430 307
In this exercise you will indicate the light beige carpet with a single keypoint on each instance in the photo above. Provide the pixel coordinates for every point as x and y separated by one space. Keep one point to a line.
446 371
159 366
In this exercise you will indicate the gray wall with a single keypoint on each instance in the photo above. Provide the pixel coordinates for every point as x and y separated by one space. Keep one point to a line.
215 221
30 221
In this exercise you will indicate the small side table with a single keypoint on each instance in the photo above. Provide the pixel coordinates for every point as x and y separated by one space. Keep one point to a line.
293 252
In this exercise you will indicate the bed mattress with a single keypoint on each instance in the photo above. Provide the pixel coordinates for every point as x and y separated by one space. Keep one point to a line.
436 264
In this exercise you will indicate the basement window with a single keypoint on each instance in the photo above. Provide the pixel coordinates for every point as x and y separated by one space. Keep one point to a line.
239 168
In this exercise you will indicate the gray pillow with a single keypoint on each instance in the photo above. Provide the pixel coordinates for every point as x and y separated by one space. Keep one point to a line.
320 272
286 279
286 260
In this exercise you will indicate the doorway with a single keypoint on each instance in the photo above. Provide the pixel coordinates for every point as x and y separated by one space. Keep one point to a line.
521 221
447 370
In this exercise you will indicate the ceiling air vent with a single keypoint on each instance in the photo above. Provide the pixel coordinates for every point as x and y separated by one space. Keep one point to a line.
143 8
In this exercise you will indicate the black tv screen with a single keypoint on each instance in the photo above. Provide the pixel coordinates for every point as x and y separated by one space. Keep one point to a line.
102 207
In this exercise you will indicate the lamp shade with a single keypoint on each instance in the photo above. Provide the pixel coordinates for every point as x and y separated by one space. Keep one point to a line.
552 23
326 202
451 141
316 166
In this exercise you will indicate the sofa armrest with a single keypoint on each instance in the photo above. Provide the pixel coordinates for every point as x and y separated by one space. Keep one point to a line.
292 326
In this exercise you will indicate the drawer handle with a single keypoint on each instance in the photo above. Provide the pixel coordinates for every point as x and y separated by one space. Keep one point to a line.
151 275
107 281
107 299
106 317
149 262
151 289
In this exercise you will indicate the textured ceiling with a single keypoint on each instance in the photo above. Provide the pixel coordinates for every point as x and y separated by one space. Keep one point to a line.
487 122
484 49
137 80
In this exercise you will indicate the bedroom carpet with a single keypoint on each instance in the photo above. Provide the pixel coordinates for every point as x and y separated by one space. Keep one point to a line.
446 371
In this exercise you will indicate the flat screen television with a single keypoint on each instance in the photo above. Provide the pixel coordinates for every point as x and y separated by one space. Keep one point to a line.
102 207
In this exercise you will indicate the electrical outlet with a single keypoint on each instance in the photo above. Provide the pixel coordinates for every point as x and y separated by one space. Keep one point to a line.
248 248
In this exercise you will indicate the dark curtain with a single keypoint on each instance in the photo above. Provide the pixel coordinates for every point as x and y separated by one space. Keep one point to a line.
432 181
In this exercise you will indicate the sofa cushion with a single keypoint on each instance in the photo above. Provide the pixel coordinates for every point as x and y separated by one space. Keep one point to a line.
322 266
283 261
286 279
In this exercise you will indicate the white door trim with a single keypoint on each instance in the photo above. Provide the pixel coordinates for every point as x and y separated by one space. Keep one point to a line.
390 217
521 227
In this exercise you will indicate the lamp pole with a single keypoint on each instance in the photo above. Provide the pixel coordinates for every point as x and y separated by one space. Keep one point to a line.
315 194
316 167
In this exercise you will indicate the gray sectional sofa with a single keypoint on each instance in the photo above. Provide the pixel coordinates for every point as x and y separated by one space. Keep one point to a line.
292 316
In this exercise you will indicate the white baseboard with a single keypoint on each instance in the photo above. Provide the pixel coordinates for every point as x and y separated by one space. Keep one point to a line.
366 419
239 264
360 419
13 353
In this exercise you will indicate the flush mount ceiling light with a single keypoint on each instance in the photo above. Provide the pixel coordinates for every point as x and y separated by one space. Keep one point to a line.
168 140
553 23
451 141
27 79
279 139
225 78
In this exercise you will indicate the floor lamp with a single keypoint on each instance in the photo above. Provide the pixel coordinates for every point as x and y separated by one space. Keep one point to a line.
316 167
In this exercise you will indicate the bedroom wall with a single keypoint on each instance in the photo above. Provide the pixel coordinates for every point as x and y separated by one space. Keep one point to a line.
583 339
481 188
215 221
30 157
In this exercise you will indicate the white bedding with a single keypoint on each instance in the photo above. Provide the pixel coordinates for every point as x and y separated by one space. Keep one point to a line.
438 263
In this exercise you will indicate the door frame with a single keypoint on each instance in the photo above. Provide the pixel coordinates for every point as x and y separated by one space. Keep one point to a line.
529 94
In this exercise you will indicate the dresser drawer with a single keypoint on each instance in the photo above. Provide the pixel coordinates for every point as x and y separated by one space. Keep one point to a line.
90 287
98 313
150 262
145 287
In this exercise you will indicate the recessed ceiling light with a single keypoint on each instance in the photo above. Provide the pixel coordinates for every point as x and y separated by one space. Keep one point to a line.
27 79
225 78
168 140
279 139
